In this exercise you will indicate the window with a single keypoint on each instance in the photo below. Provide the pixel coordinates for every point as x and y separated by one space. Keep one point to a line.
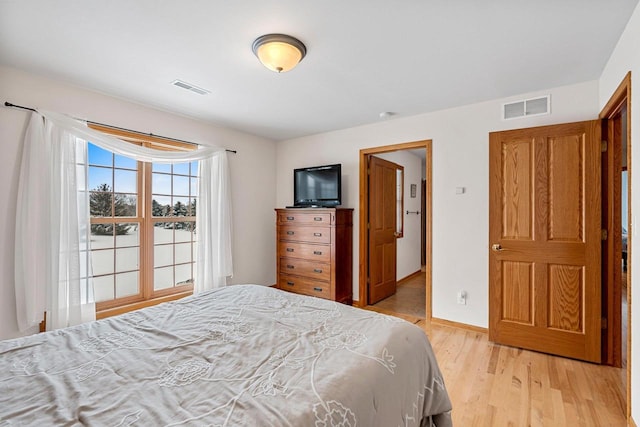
143 224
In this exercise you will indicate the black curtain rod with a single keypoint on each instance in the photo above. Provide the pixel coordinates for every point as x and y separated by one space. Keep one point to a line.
8 104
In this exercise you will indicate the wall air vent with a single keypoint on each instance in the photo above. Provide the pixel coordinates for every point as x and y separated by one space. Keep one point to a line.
527 108
189 86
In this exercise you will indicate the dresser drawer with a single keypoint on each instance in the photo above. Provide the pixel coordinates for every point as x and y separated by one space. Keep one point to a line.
305 234
305 250
311 269
304 218
304 286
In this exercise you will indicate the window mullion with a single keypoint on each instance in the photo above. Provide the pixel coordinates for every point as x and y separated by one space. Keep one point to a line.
146 246
113 216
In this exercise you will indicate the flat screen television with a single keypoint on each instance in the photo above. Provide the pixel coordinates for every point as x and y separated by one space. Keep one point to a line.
318 186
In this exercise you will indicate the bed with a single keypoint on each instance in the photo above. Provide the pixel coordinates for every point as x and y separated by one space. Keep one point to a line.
243 355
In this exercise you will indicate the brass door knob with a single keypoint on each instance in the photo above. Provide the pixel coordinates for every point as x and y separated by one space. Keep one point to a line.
496 247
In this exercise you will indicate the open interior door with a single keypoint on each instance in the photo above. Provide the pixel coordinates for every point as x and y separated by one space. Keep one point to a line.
382 229
545 238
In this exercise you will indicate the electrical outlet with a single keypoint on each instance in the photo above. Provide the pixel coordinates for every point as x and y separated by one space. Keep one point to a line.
462 297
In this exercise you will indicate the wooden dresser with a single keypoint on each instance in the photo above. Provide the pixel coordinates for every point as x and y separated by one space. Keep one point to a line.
314 252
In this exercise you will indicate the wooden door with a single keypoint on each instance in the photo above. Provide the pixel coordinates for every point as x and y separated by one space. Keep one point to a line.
382 229
545 238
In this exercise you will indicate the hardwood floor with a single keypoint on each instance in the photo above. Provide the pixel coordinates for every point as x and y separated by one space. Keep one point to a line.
409 298
495 385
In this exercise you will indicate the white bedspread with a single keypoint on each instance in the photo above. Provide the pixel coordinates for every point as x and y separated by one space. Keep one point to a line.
244 355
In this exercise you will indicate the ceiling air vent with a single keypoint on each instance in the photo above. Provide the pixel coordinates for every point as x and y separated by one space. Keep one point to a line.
189 86
527 108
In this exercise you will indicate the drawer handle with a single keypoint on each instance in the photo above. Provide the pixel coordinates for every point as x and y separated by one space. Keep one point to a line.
289 249
290 283
290 266
317 289
317 252
317 270
290 218
317 218
317 234
290 233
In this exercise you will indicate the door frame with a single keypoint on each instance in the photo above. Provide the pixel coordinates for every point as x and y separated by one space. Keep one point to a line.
364 215
621 98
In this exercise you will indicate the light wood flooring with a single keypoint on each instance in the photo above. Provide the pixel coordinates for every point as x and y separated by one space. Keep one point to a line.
409 298
495 385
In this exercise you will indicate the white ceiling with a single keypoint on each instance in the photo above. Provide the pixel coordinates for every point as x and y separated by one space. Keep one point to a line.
364 56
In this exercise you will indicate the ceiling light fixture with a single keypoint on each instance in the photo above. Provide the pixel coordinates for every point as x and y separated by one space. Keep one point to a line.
279 52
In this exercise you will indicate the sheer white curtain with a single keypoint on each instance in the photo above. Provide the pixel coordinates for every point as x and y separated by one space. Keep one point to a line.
51 226
53 218
213 224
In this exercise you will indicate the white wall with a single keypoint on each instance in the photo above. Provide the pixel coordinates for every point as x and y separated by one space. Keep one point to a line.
408 246
252 172
460 159
626 58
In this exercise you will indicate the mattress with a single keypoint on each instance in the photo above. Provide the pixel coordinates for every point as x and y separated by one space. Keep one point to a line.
243 355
